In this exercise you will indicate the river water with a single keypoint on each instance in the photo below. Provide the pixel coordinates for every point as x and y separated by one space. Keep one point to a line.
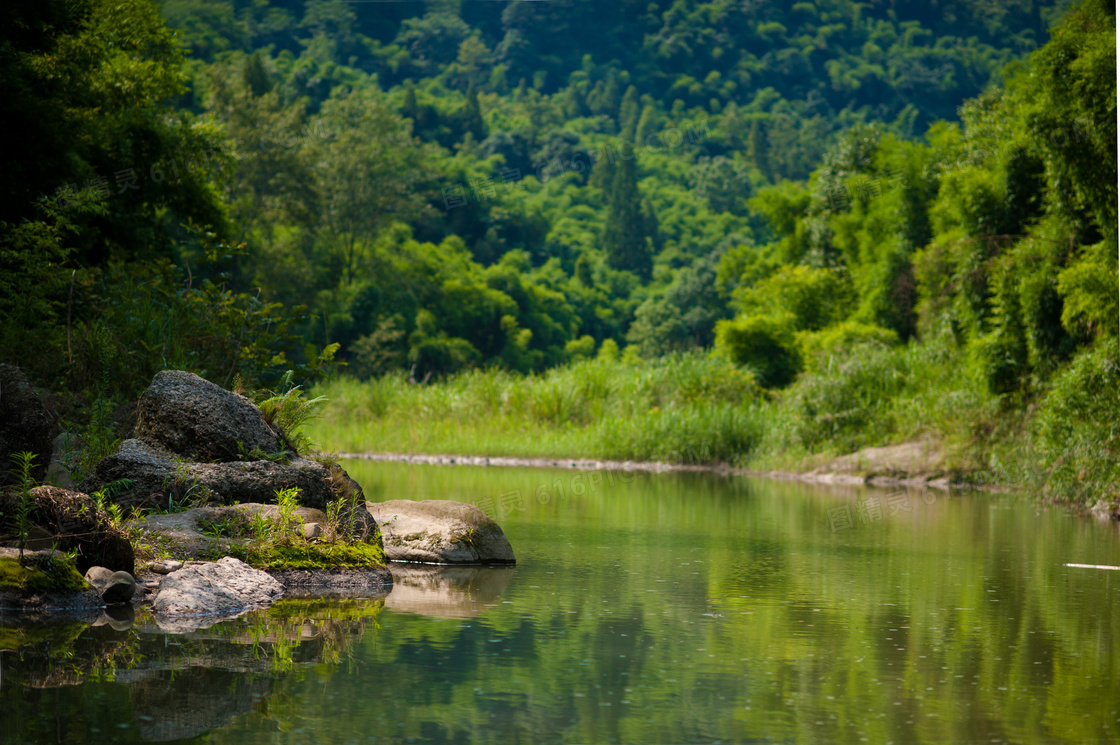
645 608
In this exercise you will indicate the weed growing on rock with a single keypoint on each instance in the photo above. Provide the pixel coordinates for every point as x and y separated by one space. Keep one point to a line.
289 411
260 527
182 490
22 464
283 457
103 498
288 523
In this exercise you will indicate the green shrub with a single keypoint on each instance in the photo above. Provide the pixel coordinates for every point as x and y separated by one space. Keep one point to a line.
1078 427
580 349
1089 290
764 344
819 348
289 411
837 404
815 298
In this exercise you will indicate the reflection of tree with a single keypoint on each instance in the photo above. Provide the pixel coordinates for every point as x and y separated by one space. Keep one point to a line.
710 596
175 706
800 624
174 686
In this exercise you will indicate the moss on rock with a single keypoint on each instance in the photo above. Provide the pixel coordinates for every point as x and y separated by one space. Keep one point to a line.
310 555
39 575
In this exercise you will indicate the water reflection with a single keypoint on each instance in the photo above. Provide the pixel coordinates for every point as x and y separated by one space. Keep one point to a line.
675 608
152 686
446 592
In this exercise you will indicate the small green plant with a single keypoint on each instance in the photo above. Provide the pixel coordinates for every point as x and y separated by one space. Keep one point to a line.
343 510
289 411
22 463
260 527
334 517
227 527
466 537
182 490
103 498
288 522
283 456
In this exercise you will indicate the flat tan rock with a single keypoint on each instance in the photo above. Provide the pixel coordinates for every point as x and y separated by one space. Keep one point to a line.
440 532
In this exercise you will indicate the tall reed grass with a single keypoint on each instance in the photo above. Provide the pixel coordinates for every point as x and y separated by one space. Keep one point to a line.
1061 440
689 408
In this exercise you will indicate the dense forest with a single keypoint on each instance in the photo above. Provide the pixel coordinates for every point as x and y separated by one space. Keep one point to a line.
857 206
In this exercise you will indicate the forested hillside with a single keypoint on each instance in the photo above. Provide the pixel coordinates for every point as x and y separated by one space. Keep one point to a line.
902 213
448 184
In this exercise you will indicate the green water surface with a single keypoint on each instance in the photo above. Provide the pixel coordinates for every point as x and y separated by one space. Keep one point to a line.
667 608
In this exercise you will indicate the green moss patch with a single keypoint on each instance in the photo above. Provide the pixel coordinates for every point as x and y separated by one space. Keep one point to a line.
40 576
309 555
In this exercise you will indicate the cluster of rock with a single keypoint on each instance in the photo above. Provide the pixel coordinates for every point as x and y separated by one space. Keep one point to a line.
194 439
196 442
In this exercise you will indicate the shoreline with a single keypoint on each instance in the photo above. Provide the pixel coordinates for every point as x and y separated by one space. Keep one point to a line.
821 476
914 481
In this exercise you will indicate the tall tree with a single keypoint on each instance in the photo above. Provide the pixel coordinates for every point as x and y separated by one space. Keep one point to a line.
368 174
624 236
629 114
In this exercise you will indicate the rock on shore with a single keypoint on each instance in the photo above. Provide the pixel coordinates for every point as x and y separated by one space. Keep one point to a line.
195 440
440 532
203 588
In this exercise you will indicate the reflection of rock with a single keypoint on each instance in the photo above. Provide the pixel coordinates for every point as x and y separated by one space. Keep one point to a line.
117 617
440 532
202 588
174 688
446 592
178 705
334 583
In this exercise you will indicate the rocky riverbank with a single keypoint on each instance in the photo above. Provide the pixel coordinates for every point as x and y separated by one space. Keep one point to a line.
206 510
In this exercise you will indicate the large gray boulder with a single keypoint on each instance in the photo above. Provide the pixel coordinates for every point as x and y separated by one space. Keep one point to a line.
440 532
210 588
194 419
24 424
158 480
